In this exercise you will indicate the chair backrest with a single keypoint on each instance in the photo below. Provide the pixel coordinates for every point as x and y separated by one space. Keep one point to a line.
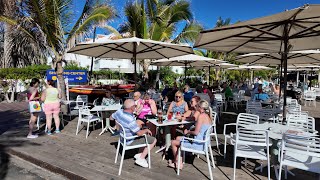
253 106
81 100
84 112
251 137
244 119
122 132
303 145
95 102
242 92
266 114
213 116
218 97
310 95
299 121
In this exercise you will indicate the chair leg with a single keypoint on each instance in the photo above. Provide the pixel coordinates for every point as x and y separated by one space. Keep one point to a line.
225 147
179 154
149 156
78 127
88 129
217 142
280 171
234 166
184 157
268 166
118 148
211 154
209 166
121 162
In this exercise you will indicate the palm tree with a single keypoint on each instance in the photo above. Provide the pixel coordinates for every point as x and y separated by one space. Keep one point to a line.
159 20
44 24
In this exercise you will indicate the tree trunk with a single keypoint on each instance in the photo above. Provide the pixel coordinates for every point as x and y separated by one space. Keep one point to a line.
217 74
145 68
13 89
157 77
60 77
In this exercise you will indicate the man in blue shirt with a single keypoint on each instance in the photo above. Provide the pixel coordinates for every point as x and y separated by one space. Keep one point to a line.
126 118
187 95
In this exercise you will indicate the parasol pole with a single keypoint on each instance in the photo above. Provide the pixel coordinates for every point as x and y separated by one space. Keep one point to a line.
209 76
285 61
280 75
135 61
185 73
91 67
298 77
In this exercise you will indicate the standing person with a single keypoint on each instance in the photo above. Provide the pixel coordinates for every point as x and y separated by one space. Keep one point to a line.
51 98
33 95
203 123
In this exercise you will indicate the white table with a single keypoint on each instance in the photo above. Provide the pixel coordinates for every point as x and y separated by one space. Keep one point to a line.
166 124
110 108
275 132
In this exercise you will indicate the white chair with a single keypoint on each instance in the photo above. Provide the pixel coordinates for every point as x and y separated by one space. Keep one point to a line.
81 101
214 132
300 152
95 102
266 115
86 117
311 97
253 106
221 101
235 101
243 119
251 144
298 121
123 142
206 144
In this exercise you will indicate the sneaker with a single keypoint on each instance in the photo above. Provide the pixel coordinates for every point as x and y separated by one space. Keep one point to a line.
57 131
137 156
116 133
32 136
142 162
49 133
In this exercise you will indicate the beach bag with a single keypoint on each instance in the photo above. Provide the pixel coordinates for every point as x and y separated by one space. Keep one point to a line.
34 106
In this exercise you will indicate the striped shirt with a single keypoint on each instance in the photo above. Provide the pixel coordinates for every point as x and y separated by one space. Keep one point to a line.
128 122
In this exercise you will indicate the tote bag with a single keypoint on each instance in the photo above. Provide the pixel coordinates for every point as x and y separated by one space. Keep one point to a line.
34 106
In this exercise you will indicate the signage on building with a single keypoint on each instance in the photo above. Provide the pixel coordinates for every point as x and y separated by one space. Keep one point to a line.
74 76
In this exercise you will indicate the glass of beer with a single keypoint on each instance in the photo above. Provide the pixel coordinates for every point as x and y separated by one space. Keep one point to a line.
160 116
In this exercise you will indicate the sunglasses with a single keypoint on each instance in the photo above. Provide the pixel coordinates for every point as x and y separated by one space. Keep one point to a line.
178 96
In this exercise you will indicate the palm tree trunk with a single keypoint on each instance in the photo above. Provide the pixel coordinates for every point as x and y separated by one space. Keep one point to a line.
60 77
6 59
157 77
146 64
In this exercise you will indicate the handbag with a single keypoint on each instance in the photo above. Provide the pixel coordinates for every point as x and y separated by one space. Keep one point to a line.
34 106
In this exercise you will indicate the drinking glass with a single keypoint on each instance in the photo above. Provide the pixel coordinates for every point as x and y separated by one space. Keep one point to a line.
160 116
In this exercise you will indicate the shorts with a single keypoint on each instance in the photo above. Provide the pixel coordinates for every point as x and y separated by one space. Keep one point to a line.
51 108
142 140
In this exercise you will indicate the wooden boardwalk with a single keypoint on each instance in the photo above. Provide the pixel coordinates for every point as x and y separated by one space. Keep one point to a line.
93 158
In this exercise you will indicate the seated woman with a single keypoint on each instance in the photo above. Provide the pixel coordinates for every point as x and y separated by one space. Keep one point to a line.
193 113
179 105
109 98
203 123
146 107
261 96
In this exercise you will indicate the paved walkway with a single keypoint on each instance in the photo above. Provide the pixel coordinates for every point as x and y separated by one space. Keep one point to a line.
78 158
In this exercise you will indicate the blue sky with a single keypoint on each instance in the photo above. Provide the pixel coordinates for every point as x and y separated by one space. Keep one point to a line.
207 11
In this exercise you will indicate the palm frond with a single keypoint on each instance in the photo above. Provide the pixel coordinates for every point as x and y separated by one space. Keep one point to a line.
189 33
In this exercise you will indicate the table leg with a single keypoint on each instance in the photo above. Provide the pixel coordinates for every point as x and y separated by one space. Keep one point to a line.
168 140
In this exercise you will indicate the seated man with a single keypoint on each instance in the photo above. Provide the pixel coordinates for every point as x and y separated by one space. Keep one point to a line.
187 94
126 118
261 96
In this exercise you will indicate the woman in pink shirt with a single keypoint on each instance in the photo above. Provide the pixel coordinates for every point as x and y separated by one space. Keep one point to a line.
146 107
